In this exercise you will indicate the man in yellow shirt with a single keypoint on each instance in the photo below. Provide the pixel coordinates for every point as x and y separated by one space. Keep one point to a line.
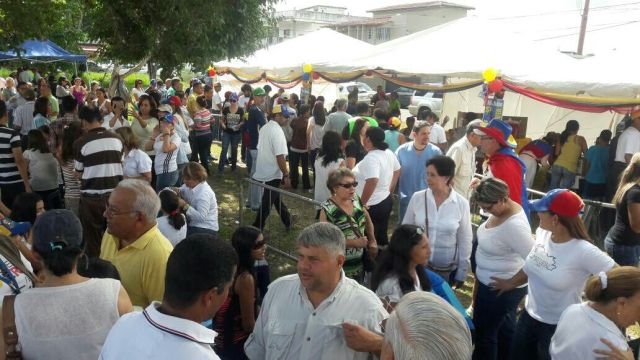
196 90
133 243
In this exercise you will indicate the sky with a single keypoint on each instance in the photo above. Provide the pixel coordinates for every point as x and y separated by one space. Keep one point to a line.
612 24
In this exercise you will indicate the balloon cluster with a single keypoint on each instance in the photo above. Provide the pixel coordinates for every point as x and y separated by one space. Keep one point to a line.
494 85
211 71
307 69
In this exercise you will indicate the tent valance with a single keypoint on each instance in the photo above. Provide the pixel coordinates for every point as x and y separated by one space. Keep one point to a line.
41 51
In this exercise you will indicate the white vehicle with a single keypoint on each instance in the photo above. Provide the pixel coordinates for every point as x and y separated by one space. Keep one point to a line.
425 100
365 92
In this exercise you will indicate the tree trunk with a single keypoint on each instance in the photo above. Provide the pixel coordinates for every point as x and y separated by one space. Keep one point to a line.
152 70
117 85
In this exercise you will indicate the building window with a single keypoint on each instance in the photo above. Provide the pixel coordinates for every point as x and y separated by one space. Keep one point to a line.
370 33
383 33
286 33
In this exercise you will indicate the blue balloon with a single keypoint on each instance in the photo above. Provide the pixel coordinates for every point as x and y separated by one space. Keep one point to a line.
306 76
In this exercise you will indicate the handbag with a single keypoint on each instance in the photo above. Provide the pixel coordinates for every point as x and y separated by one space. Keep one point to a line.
453 266
367 263
9 329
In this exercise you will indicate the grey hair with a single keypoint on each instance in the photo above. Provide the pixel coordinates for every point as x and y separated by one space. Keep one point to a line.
341 104
146 201
323 235
419 125
490 191
424 326
336 176
474 124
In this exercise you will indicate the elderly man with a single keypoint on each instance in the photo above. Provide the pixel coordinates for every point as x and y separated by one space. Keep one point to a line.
272 151
423 326
463 153
319 312
338 120
413 156
199 274
133 243
23 116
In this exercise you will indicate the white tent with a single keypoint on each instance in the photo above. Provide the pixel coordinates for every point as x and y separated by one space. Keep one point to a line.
285 60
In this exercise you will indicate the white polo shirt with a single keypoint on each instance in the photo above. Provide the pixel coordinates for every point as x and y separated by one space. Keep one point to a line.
135 163
153 335
289 328
628 143
569 343
464 155
203 206
379 164
271 143
437 135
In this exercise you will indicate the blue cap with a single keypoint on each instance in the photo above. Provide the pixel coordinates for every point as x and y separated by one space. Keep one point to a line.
562 202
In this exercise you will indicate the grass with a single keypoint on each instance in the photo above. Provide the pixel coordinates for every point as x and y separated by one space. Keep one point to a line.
231 213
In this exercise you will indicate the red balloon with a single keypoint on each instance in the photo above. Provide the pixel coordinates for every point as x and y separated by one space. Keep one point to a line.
316 76
496 86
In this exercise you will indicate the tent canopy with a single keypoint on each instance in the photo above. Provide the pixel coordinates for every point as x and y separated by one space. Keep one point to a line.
284 60
41 50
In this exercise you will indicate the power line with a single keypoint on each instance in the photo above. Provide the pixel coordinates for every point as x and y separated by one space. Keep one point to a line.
593 30
598 8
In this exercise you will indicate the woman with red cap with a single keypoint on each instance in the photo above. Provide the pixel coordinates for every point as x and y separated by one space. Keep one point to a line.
556 270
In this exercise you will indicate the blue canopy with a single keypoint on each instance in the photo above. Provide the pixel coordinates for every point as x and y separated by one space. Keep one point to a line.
41 50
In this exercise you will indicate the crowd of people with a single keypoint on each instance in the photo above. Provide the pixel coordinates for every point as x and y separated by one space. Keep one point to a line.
123 216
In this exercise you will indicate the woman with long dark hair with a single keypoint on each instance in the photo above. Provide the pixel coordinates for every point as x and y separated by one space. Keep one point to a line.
173 223
41 112
377 175
65 155
299 149
354 149
236 318
568 150
623 240
400 269
315 130
330 158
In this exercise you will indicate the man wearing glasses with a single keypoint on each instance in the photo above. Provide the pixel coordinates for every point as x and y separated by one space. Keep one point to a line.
133 243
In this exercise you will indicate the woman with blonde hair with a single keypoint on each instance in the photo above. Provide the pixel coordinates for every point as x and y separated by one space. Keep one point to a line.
623 240
613 298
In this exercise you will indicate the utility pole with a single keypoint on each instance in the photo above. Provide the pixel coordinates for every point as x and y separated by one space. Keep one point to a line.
583 26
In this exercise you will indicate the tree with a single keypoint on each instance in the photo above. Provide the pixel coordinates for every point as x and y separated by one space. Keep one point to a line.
174 32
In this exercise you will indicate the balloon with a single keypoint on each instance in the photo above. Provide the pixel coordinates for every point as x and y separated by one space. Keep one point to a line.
316 76
305 76
307 68
211 71
489 74
496 86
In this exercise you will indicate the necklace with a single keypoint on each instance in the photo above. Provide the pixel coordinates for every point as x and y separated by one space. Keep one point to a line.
416 149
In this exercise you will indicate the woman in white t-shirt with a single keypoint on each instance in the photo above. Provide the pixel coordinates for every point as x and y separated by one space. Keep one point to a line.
377 175
173 224
329 159
504 241
165 142
43 170
136 164
198 201
594 329
560 262
68 316
449 222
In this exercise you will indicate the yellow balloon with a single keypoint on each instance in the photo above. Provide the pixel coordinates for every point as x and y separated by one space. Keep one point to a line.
307 68
489 74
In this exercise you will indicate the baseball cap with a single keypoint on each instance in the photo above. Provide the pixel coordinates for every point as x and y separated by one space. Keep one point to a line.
562 202
233 97
285 96
279 109
168 118
55 230
165 108
258 91
175 101
395 122
153 82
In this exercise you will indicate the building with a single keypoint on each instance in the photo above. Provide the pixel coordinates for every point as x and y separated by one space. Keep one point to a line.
293 23
392 22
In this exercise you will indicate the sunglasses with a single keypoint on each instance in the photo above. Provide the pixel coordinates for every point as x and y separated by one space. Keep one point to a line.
259 244
349 185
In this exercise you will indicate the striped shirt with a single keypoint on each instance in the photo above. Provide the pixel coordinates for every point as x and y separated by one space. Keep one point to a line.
23 117
9 139
98 156
71 183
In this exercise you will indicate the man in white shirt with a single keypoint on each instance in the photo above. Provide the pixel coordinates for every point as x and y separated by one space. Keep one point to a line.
318 313
437 136
271 166
463 153
25 75
199 274
629 141
23 116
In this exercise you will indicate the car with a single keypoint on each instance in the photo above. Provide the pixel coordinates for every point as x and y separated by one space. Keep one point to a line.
365 92
425 100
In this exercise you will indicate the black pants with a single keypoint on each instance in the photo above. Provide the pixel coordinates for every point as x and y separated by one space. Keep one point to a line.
94 224
270 198
380 214
9 192
203 147
296 159
52 199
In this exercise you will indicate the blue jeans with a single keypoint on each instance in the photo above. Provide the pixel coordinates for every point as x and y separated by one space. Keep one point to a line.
561 178
623 255
166 180
532 339
229 139
255 192
494 318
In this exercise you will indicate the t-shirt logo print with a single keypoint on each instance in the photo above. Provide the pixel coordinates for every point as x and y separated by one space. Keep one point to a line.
542 259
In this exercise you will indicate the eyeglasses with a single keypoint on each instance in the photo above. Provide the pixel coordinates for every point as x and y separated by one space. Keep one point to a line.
349 185
486 138
259 244
109 211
